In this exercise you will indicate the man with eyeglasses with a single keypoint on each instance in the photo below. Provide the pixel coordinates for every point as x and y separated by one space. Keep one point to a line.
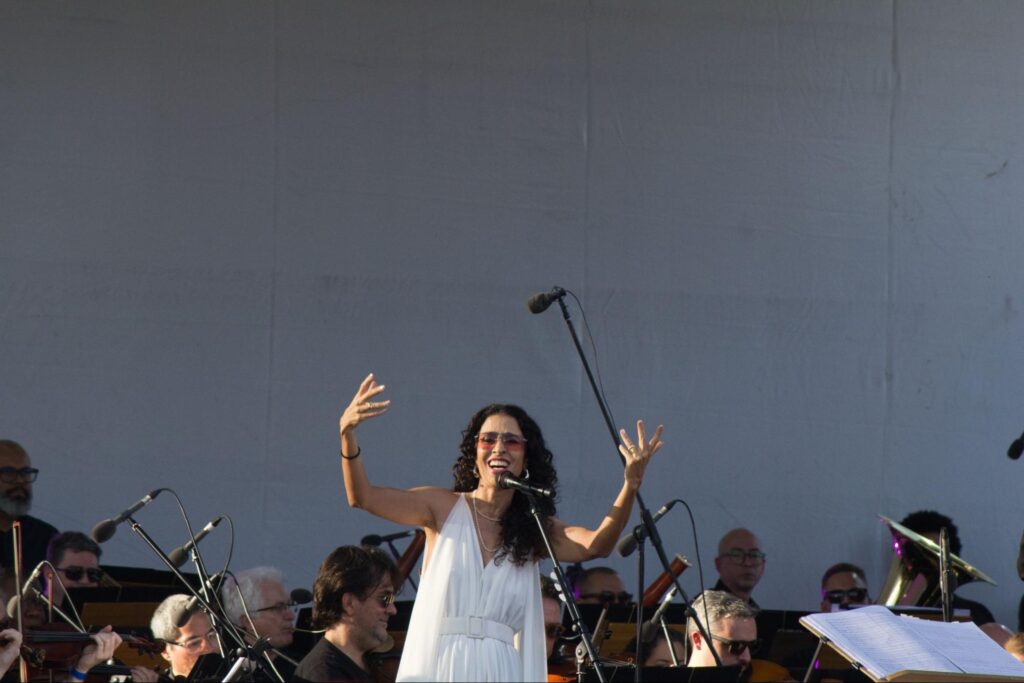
730 621
740 564
601 586
843 586
353 598
16 477
77 560
256 601
183 645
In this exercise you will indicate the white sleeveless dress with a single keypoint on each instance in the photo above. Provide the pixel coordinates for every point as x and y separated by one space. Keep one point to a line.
470 622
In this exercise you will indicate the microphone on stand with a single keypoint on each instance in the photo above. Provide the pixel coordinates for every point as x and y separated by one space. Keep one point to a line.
1016 448
649 628
189 607
374 540
629 542
507 480
180 554
102 532
539 303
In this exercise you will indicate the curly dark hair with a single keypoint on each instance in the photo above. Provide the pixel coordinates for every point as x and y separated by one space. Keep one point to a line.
521 541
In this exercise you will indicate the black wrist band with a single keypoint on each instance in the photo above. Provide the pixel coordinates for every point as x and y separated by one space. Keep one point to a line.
352 457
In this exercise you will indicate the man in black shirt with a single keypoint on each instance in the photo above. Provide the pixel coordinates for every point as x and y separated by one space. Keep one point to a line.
353 597
740 563
16 477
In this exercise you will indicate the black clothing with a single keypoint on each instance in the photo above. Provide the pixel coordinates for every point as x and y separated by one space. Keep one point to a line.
325 662
35 537
721 587
979 613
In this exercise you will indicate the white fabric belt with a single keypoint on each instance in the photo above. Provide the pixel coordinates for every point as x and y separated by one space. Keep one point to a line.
477 627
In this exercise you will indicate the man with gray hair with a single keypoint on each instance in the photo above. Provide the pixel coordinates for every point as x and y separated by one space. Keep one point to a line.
185 644
255 600
730 623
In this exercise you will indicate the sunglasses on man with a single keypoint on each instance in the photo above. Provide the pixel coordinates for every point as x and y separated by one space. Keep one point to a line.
853 595
74 573
736 647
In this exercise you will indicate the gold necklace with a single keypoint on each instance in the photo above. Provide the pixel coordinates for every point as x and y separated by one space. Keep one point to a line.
493 519
479 534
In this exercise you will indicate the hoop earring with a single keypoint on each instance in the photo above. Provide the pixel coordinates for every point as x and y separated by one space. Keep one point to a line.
526 473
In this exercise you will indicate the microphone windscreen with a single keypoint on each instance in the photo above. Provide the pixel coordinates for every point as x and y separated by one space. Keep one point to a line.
1016 448
539 303
301 596
102 532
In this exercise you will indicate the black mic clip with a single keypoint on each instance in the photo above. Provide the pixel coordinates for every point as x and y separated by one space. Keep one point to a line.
628 543
507 480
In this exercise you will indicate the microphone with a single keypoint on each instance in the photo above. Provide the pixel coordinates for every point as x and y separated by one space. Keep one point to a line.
650 628
507 480
189 607
300 596
539 303
102 532
180 554
629 542
375 540
1016 448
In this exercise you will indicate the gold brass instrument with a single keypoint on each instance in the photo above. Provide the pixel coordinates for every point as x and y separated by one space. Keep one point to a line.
914 573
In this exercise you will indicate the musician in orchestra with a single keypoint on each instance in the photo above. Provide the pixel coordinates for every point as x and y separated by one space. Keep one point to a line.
552 606
730 621
353 597
478 613
76 557
256 601
183 645
843 586
656 649
601 586
740 564
16 478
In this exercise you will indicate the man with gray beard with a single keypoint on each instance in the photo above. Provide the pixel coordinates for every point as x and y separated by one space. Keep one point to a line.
16 477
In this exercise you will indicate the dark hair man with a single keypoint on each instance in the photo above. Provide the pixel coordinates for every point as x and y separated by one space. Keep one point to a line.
353 597
77 559
843 586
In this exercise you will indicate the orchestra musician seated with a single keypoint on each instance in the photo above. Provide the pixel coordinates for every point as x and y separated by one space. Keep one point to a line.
656 648
353 598
732 628
256 601
740 564
183 645
77 559
552 614
601 586
843 585
16 478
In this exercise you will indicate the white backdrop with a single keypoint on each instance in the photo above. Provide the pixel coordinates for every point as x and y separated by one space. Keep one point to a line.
792 224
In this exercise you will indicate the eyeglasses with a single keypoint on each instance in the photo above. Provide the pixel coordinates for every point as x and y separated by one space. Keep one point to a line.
736 647
196 642
9 475
513 442
609 598
277 607
853 595
74 573
754 557
554 630
385 599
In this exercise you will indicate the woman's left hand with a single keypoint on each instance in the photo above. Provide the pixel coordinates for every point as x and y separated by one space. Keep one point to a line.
638 454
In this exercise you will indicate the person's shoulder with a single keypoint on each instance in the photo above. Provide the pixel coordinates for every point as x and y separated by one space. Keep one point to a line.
36 525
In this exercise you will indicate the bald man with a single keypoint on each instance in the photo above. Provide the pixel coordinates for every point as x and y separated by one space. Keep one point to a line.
740 564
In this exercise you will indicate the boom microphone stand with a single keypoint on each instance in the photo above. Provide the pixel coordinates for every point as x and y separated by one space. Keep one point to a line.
537 305
570 602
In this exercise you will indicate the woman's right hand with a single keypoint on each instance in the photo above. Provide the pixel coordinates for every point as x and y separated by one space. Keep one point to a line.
362 406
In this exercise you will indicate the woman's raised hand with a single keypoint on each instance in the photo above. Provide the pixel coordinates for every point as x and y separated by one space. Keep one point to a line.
363 406
638 454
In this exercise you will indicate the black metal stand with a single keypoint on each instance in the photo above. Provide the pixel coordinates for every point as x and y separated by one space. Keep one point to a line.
645 514
570 602
637 676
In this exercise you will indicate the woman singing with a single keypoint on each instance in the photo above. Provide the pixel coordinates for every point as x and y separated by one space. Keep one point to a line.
478 614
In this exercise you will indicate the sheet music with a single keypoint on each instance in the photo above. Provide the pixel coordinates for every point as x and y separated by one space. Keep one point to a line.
879 641
968 647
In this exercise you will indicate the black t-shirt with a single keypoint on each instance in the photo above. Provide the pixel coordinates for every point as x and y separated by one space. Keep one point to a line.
325 662
35 536
721 587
